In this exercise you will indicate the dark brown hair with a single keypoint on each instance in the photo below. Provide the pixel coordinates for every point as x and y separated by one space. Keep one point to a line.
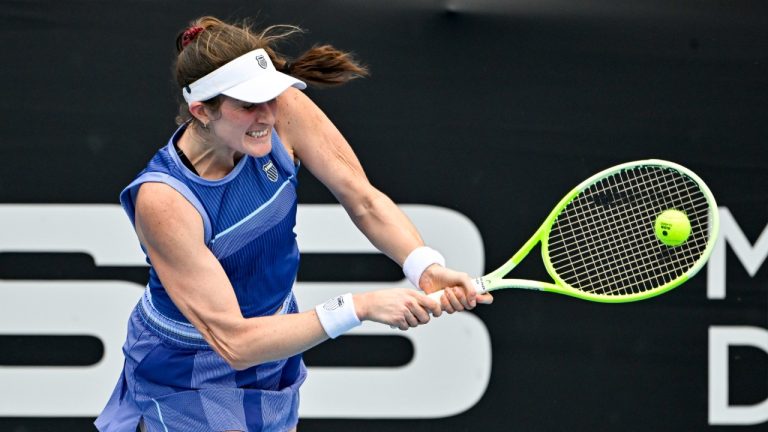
219 43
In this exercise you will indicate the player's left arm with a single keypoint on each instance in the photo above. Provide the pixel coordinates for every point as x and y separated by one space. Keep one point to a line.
312 138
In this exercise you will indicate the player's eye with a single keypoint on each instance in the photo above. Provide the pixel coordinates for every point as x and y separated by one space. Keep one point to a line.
249 106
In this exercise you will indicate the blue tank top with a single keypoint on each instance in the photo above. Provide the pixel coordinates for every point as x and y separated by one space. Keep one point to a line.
248 219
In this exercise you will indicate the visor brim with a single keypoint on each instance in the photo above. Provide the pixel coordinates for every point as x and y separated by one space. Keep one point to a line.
264 87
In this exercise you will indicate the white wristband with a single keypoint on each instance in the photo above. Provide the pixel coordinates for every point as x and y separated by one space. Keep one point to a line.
418 261
338 315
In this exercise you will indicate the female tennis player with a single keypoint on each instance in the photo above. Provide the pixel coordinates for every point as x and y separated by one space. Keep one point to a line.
215 343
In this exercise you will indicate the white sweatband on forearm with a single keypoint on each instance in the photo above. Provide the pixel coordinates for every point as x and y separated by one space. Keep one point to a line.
338 315
418 261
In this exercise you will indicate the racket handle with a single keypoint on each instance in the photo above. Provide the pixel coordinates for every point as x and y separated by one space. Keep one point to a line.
437 295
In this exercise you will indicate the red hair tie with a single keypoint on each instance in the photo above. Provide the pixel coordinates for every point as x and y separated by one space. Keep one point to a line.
189 35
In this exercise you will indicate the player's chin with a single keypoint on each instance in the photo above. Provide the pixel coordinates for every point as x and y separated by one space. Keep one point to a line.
258 147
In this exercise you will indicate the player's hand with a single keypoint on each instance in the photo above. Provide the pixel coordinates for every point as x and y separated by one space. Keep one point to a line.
460 292
399 307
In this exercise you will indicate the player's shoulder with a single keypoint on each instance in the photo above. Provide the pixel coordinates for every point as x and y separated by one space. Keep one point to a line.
159 201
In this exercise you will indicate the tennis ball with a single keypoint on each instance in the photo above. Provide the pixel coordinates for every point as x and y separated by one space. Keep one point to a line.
672 227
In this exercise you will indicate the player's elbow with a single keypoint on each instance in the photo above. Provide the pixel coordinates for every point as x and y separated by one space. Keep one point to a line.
237 363
237 358
228 351
363 202
231 346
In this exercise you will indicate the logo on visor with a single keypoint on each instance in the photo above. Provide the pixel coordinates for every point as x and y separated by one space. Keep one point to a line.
261 61
271 170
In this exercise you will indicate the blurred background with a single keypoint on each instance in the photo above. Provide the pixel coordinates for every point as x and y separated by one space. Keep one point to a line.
488 109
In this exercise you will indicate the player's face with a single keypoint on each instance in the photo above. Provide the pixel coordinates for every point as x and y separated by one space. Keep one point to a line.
246 127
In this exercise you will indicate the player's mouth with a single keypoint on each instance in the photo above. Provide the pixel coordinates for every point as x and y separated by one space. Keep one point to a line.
258 133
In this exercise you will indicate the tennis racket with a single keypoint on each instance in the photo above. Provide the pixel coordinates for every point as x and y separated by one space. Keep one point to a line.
628 233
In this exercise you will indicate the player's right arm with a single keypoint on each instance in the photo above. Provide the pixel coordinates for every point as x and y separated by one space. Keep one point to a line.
171 231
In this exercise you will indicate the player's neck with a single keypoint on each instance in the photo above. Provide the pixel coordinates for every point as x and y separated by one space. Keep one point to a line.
211 160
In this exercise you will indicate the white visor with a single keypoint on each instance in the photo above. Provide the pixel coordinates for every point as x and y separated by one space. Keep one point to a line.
251 78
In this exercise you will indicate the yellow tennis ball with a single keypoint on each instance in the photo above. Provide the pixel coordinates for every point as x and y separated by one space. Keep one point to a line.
672 227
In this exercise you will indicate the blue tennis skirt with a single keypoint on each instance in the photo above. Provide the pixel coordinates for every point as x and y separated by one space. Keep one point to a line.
174 381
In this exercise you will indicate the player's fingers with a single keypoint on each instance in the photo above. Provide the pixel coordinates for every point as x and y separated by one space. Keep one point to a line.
403 324
445 303
469 291
430 305
453 297
486 298
467 298
410 318
402 321
420 313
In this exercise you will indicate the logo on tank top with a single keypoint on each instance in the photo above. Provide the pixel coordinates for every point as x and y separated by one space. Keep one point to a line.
270 170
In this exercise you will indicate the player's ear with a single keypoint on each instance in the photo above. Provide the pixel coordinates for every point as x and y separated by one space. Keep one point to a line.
200 112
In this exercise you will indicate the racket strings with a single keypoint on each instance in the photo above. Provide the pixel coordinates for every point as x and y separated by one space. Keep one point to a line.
630 278
620 280
604 240
643 255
